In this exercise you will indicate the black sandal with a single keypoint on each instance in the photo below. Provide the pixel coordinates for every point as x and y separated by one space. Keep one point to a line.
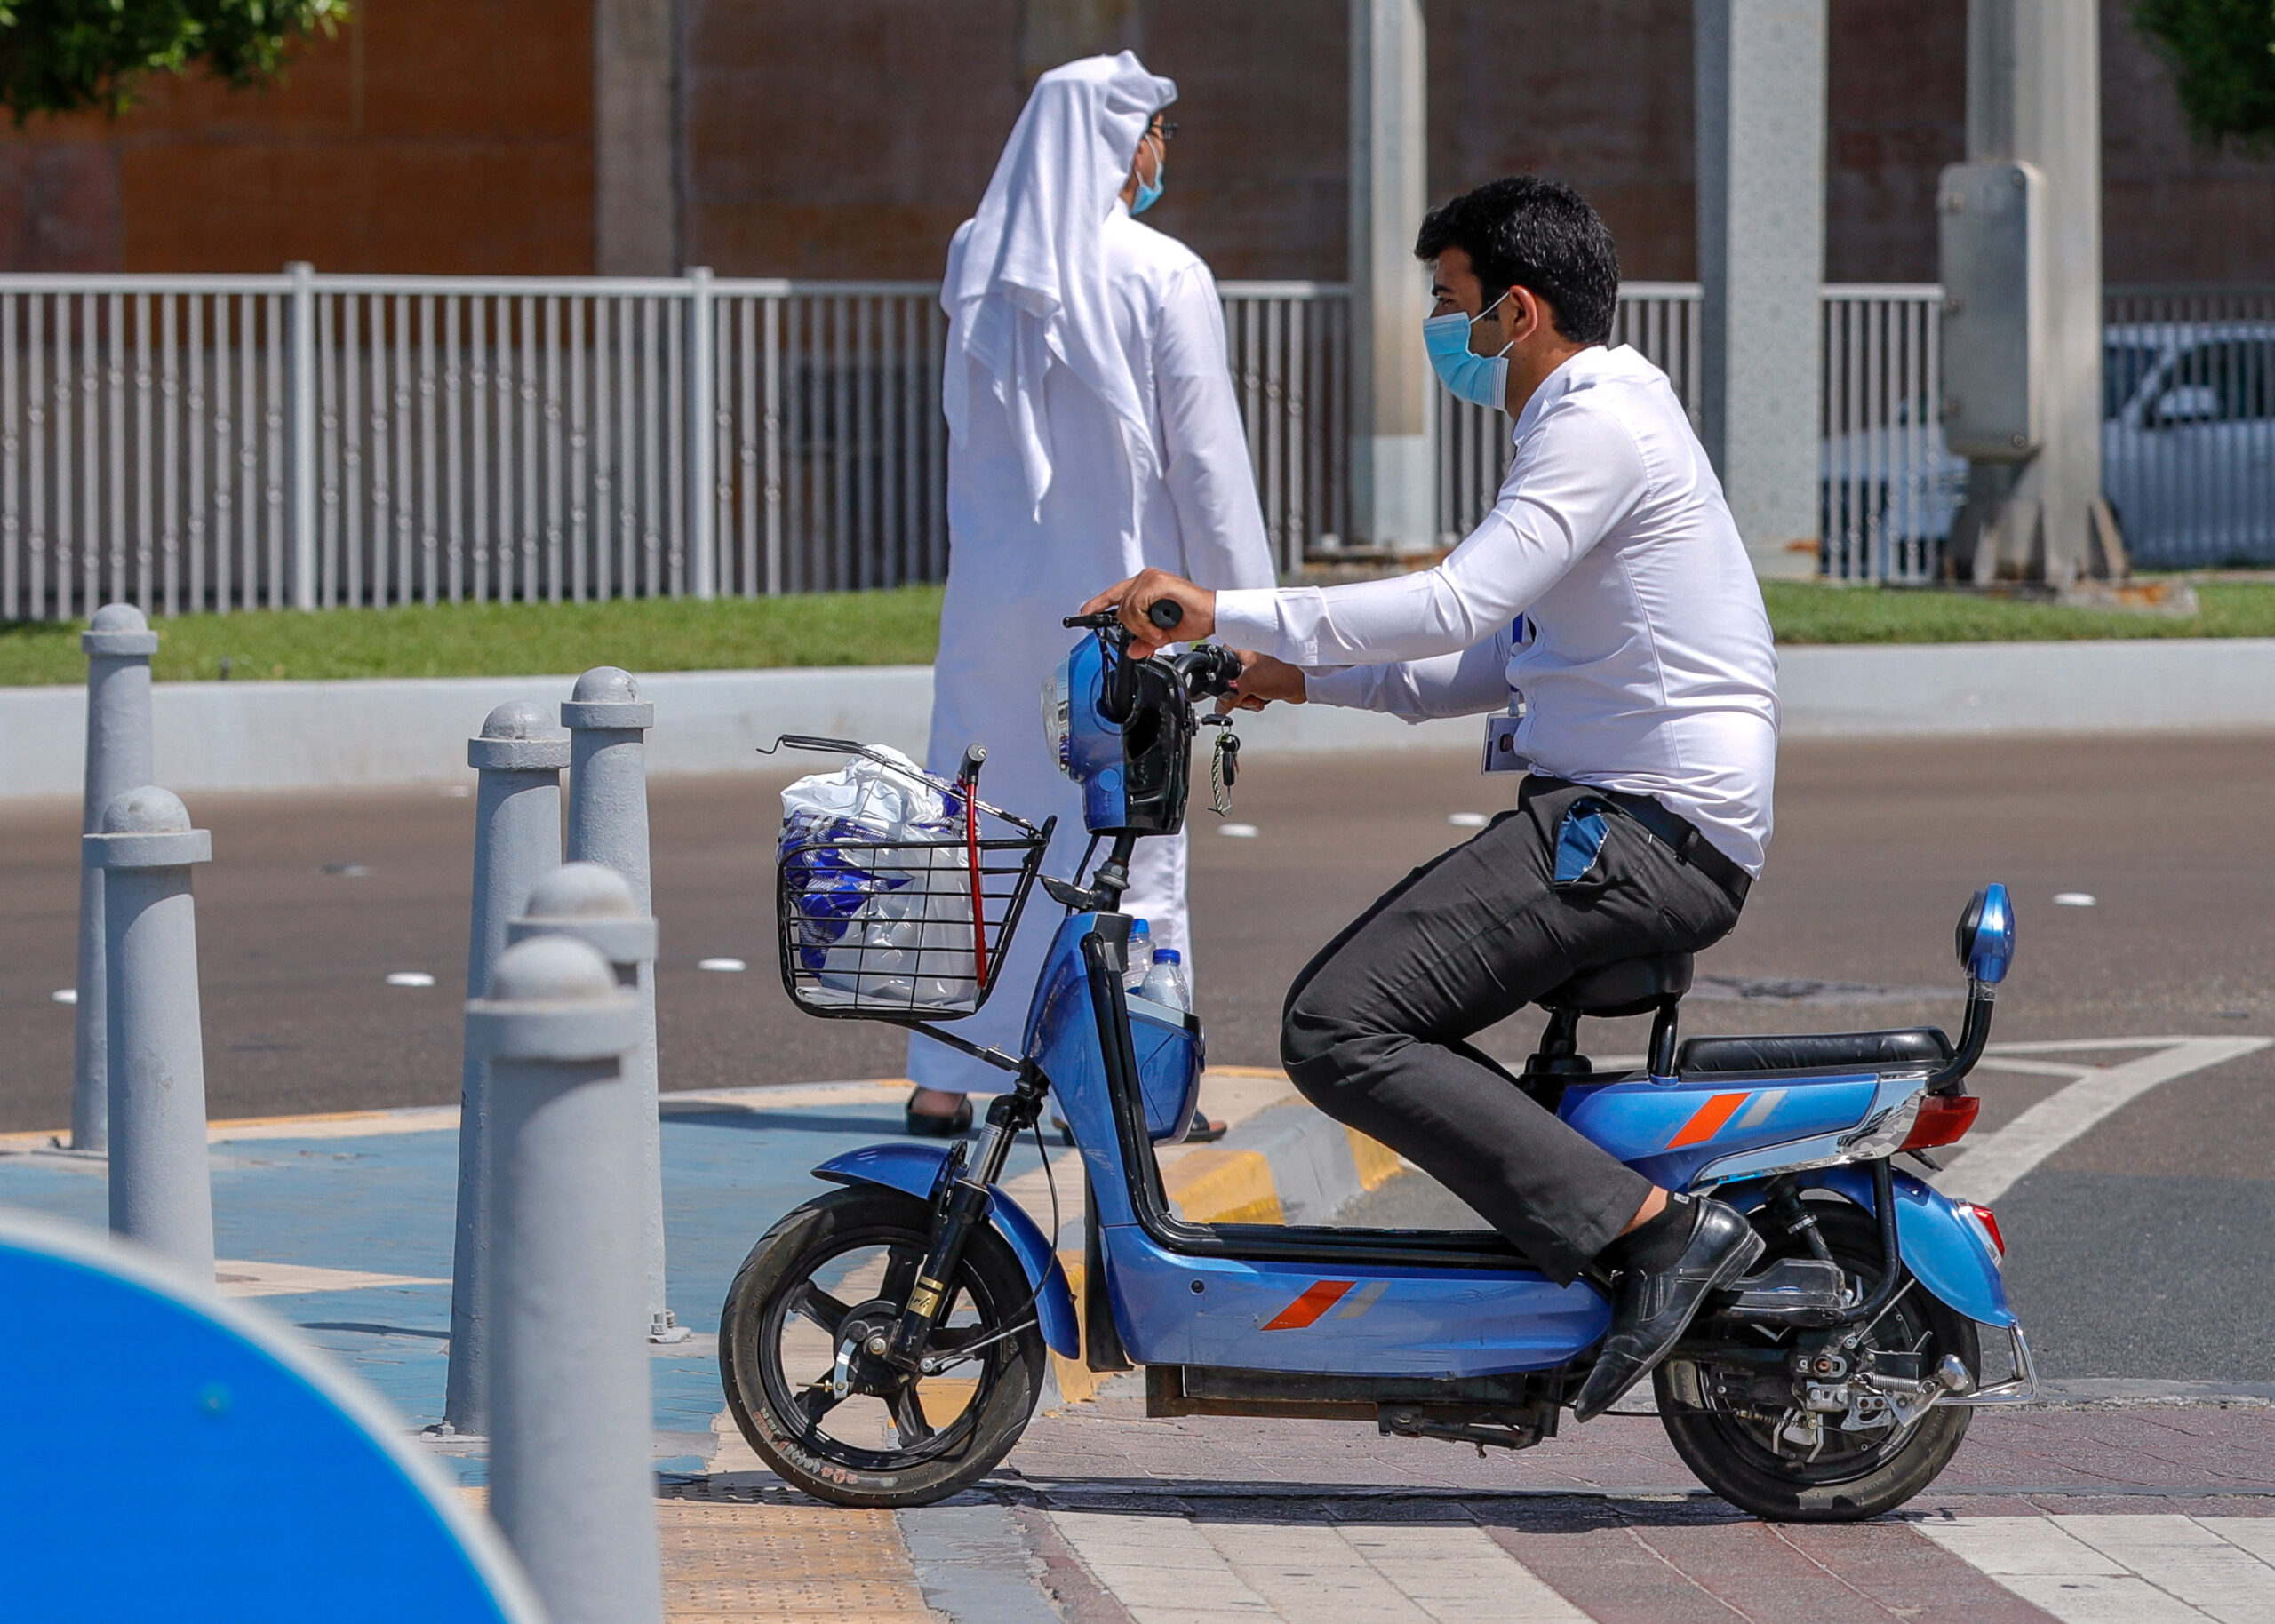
930 1125
1203 1131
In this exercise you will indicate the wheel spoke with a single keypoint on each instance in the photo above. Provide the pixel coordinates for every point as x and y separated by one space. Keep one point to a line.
908 1415
810 1302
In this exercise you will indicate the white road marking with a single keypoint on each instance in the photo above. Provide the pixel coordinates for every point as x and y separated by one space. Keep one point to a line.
1990 1166
2123 1570
729 967
239 1277
1162 1569
64 995
409 978
2186 1559
1170 1570
1456 1573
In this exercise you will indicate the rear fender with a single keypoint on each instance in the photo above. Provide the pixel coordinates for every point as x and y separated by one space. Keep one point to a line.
1944 1252
915 1170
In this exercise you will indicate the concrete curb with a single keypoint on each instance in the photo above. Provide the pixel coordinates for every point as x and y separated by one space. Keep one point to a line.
293 736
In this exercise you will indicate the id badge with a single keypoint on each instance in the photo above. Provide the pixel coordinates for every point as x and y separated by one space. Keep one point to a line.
1502 754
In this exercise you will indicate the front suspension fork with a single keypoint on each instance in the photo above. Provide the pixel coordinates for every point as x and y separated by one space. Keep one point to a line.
961 1206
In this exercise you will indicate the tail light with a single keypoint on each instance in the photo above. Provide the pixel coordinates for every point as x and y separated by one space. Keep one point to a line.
1942 1119
1989 1220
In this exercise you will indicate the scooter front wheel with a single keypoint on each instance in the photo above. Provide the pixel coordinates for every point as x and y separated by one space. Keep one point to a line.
1749 1438
841 1424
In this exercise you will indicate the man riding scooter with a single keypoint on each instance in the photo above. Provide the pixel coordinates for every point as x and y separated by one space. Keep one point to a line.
1607 611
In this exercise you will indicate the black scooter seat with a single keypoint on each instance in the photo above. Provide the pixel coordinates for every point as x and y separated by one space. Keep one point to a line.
1922 1046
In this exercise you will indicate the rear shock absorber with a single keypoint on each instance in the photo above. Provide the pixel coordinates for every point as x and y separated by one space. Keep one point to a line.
1792 1216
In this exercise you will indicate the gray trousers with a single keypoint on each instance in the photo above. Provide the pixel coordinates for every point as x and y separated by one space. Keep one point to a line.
1377 1028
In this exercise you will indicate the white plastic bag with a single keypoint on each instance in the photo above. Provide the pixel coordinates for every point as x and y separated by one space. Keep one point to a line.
882 924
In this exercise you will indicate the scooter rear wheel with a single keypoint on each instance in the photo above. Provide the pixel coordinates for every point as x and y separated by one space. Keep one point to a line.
793 1320
1713 1417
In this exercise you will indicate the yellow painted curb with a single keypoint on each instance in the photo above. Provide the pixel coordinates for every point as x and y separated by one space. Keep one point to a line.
1223 1186
1377 1162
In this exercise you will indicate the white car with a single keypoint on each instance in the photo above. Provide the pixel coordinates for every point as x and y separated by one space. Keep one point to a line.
2188 459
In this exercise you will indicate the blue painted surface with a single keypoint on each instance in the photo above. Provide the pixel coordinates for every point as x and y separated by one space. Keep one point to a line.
1390 1322
1637 1120
201 1404
915 1170
384 1205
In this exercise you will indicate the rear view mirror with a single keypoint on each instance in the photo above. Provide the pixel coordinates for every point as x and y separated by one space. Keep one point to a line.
2188 403
1986 936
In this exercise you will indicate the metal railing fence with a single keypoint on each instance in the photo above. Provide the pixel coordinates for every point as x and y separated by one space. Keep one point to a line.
239 442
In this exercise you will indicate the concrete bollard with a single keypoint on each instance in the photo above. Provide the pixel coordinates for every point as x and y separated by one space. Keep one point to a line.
160 1189
569 1482
608 823
118 644
516 842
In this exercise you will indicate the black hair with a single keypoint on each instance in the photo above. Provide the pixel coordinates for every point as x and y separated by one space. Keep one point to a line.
1530 233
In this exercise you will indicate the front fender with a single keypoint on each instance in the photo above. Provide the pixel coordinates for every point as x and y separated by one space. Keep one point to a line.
1944 1252
915 1170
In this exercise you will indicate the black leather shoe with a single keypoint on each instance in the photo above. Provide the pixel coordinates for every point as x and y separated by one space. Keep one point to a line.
1654 1309
928 1125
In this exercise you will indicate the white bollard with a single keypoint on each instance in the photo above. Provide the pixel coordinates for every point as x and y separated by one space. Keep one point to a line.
118 644
160 1188
608 823
571 1485
516 842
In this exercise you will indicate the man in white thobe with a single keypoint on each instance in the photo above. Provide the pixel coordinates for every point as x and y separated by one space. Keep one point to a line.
1093 432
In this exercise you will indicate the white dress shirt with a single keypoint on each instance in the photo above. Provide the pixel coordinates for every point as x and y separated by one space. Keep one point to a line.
1607 588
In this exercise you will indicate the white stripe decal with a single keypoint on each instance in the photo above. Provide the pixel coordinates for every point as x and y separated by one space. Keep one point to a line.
1361 1299
1764 1102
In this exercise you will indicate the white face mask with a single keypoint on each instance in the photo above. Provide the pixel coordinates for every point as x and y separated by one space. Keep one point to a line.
1483 380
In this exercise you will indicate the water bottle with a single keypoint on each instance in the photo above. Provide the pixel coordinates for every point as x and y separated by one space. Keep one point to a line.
1139 964
1165 981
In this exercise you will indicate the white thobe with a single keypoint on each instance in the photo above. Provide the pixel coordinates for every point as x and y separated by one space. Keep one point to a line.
1180 498
1607 587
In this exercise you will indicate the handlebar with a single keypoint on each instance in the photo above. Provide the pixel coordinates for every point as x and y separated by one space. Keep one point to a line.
1167 614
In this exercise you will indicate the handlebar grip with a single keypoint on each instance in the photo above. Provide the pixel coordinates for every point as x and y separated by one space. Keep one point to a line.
974 758
1166 613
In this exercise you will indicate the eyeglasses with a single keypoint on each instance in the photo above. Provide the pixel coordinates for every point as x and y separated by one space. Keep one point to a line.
1163 128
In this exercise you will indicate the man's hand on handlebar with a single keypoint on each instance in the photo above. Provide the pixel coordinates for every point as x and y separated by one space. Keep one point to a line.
1158 608
1263 680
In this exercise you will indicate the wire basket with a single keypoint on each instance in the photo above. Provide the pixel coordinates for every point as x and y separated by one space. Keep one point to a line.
909 923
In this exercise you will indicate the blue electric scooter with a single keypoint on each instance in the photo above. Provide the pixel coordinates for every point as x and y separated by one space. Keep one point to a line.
883 1345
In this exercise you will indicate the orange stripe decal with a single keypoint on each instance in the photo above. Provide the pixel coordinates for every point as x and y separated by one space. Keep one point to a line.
1323 1295
1708 1120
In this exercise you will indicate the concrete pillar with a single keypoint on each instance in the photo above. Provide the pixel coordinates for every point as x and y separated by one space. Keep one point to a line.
516 843
2033 94
1055 32
636 139
119 643
608 823
570 1482
1394 441
161 1189
1760 65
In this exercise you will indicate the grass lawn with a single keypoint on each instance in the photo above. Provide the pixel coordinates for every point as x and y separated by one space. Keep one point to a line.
476 640
1803 612
900 628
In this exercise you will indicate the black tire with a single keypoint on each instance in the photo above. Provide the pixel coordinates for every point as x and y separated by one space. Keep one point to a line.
773 1309
1739 1457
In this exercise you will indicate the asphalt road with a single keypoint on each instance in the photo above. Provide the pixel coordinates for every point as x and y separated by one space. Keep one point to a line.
2139 1250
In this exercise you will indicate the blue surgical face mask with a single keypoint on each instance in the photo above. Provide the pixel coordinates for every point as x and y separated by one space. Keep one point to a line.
1483 380
1149 192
